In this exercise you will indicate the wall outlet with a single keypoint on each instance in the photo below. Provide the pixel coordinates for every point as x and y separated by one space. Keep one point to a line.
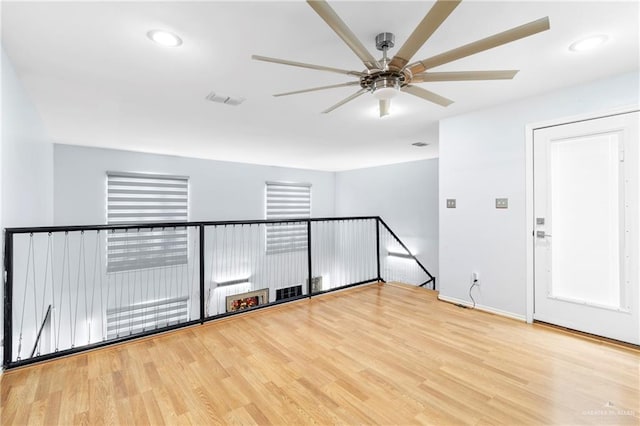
475 277
451 203
502 203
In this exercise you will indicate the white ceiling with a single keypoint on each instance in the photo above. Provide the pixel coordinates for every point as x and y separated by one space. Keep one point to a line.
97 80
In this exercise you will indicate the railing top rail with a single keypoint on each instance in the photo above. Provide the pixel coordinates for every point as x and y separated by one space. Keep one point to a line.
154 225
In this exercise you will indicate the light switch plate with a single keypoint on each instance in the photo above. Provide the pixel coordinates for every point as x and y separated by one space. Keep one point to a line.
502 203
451 203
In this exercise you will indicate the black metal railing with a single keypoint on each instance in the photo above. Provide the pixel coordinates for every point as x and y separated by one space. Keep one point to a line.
412 272
103 284
36 346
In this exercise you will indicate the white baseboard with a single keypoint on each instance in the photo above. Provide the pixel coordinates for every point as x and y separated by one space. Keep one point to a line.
483 308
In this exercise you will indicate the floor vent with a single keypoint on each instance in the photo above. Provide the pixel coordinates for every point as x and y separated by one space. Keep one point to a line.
286 293
222 99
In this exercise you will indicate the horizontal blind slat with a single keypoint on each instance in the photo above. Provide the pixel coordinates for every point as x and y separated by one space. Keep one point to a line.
148 192
124 266
303 203
116 199
118 183
274 235
148 254
118 238
138 246
281 199
290 213
146 305
128 324
279 188
148 214
286 250
148 207
135 175
296 245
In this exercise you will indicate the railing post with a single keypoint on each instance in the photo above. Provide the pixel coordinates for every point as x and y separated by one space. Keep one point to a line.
8 297
309 257
378 247
201 268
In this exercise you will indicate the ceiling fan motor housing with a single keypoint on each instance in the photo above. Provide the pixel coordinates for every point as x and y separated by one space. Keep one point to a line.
386 82
382 79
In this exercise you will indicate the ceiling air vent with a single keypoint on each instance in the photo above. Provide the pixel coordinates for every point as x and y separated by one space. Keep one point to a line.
222 99
421 144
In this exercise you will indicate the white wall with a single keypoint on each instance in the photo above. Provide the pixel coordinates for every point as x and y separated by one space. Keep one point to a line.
482 157
26 178
218 190
27 157
404 195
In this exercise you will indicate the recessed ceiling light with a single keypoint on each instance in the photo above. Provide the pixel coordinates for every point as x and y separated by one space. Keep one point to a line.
165 38
588 43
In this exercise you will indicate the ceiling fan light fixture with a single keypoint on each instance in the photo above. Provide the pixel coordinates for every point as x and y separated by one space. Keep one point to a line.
164 38
385 88
588 43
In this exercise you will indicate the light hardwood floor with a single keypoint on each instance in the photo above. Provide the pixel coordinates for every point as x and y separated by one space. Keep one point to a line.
378 354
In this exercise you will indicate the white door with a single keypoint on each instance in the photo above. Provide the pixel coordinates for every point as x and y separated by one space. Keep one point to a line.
586 228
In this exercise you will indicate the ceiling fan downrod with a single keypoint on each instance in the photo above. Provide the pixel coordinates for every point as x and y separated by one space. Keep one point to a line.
384 42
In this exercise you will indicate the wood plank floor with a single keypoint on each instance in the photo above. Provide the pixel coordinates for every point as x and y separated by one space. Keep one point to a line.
378 354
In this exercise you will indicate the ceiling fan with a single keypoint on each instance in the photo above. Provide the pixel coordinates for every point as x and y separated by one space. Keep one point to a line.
386 77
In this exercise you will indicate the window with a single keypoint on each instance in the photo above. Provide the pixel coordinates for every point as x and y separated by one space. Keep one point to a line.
135 198
287 201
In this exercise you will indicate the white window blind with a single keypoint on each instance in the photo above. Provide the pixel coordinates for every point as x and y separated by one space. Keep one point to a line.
136 198
287 201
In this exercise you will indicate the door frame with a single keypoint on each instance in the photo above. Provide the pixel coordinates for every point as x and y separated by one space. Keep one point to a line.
529 199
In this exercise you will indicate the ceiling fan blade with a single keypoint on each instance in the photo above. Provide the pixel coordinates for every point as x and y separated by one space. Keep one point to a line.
384 107
344 101
429 24
464 76
490 42
332 19
427 95
333 86
303 65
